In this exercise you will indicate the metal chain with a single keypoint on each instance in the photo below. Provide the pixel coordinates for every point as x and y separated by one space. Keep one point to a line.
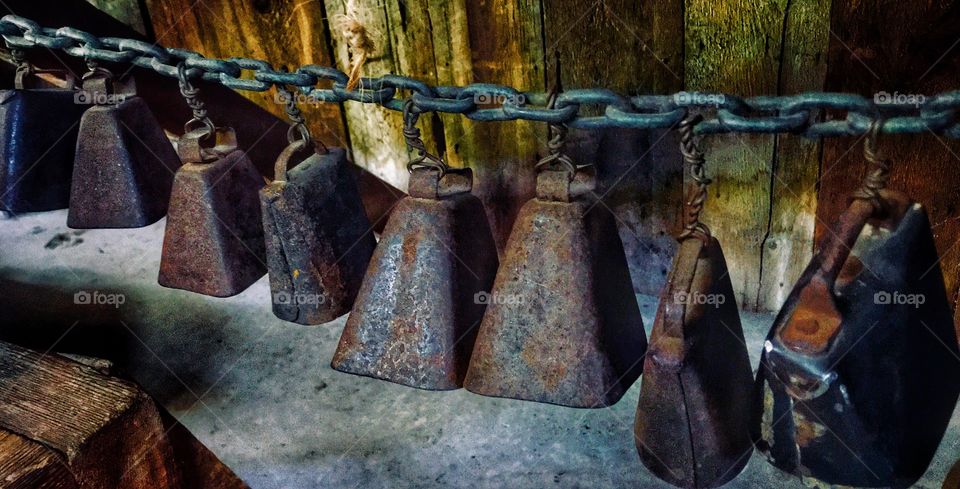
557 139
192 96
411 133
693 157
809 114
879 173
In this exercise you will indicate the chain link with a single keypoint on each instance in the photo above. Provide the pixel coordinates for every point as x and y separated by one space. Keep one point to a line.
813 114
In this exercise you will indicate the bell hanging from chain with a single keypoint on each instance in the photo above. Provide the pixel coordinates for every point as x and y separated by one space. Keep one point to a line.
213 242
318 238
859 374
693 418
124 163
562 325
424 293
38 137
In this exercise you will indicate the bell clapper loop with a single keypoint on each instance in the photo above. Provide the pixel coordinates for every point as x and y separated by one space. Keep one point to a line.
879 173
411 133
200 129
298 135
693 205
556 141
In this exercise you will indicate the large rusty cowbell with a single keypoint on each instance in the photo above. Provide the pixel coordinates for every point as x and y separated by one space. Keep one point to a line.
124 164
693 418
213 241
319 240
562 326
859 374
38 137
416 316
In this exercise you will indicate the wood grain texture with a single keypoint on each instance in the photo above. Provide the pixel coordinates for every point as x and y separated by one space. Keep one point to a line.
640 172
106 430
788 244
734 46
877 46
287 33
26 464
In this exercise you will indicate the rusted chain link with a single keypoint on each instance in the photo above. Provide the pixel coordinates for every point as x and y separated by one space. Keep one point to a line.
808 114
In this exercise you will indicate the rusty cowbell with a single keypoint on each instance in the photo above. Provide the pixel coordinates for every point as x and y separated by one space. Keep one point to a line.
562 325
124 163
38 137
692 427
319 240
415 318
859 373
213 241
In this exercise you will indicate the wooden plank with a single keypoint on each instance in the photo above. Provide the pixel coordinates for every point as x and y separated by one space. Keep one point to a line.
26 464
735 47
127 11
788 244
640 172
107 431
876 46
285 33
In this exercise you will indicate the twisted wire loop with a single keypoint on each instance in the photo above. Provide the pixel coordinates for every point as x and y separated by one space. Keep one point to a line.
423 158
697 196
557 140
191 95
879 173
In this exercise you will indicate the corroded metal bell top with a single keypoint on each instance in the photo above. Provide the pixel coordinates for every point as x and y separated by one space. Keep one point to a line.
38 137
859 376
416 315
563 326
213 242
123 168
693 418
318 238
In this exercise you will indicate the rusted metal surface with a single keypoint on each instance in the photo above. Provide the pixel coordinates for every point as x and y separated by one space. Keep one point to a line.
38 136
415 318
213 243
867 404
123 168
562 325
693 418
319 241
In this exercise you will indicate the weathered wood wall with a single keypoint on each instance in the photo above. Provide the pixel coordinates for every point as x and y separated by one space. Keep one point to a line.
772 194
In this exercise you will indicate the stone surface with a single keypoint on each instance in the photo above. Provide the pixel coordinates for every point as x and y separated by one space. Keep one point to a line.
273 410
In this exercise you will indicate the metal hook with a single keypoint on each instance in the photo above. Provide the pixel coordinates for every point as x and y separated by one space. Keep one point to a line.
191 95
411 134
693 157
879 173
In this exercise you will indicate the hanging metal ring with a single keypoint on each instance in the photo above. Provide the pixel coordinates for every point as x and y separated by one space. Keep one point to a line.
191 96
694 158
423 158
